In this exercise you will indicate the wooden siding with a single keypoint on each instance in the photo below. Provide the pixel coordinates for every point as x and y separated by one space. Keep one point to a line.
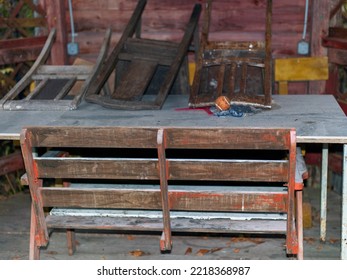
165 19
234 20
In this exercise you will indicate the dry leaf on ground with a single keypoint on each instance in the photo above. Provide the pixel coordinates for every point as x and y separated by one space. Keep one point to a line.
138 253
202 252
188 251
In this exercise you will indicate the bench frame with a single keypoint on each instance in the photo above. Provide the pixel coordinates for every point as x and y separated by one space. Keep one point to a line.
165 169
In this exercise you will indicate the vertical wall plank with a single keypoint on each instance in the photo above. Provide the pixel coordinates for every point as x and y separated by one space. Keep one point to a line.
320 26
56 11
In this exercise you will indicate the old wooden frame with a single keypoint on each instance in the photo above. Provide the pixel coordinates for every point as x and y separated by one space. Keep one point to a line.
62 79
239 70
138 63
296 69
162 169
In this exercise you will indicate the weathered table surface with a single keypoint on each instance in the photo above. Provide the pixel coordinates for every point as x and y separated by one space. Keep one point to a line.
317 118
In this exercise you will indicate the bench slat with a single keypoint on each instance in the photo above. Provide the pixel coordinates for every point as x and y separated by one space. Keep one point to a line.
177 225
184 200
179 169
228 138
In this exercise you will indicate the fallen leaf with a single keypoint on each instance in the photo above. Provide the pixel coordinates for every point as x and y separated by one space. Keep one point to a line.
216 249
320 247
202 252
138 253
309 240
52 252
257 240
239 239
247 239
236 250
130 237
333 240
188 251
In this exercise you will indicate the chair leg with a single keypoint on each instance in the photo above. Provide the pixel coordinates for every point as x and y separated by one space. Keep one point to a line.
299 225
34 249
71 241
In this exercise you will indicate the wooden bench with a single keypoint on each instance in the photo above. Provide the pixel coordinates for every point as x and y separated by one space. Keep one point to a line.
163 179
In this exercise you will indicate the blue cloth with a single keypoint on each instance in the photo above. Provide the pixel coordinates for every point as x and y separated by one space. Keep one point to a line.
235 110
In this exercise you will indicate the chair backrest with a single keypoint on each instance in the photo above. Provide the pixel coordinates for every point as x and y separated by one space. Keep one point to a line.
163 157
239 70
300 69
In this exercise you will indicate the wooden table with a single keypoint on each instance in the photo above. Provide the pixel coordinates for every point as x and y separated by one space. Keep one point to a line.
317 119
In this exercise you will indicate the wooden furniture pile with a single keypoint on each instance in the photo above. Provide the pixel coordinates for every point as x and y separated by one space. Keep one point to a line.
231 180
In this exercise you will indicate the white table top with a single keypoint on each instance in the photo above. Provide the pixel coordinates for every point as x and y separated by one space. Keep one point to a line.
317 118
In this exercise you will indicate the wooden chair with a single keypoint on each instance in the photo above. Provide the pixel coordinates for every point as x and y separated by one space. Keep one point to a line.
163 179
241 71
300 69
146 70
54 84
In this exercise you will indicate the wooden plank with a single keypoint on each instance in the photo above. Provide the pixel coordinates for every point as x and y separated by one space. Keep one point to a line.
22 22
56 19
18 55
37 105
320 27
166 242
93 137
140 169
22 42
154 47
234 138
335 42
133 89
144 197
301 69
337 32
81 72
177 225
228 170
337 56
145 137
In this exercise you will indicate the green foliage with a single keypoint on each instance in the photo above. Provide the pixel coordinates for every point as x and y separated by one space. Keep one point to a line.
5 7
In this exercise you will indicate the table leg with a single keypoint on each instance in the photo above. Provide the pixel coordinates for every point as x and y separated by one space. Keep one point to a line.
344 206
324 188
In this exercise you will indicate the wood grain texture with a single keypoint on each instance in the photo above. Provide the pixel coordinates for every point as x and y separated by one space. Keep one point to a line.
178 225
150 199
231 20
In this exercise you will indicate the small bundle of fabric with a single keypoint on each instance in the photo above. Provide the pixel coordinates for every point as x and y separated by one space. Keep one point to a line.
235 110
